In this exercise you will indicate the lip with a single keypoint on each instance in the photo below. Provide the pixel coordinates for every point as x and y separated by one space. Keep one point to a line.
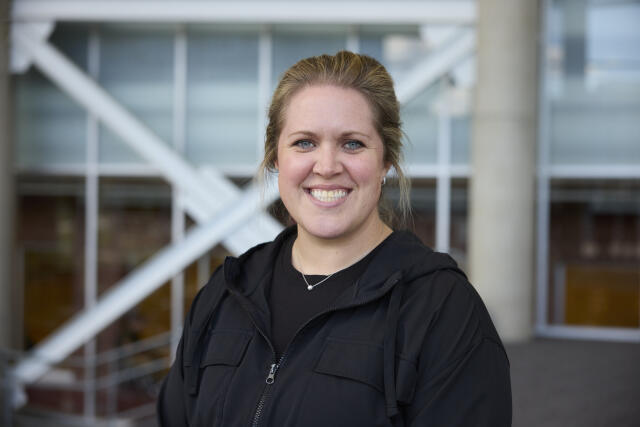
327 187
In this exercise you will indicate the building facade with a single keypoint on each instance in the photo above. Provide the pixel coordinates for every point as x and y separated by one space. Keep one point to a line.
135 134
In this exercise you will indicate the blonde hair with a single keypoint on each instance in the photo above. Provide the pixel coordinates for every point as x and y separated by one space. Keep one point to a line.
371 79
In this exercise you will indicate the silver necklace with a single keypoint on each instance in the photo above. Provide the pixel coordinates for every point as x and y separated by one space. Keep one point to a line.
310 287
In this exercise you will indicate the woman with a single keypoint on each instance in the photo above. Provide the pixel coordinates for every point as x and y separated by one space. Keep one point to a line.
340 321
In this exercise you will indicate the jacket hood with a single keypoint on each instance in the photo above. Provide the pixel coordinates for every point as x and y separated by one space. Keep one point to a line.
402 255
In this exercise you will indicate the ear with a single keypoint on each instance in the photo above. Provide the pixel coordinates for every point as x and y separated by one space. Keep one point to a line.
387 167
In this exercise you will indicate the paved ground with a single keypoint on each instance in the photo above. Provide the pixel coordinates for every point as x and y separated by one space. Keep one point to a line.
556 383
562 383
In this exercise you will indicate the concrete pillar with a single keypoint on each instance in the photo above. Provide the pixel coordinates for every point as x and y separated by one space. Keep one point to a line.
6 187
502 185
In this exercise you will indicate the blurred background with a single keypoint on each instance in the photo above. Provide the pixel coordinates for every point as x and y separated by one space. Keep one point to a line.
131 132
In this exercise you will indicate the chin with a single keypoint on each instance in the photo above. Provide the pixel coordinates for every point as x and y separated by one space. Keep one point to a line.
324 230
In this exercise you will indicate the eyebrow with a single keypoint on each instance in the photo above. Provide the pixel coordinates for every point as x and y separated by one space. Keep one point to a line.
343 134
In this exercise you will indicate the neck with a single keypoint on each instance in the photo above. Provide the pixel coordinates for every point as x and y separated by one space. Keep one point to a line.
314 255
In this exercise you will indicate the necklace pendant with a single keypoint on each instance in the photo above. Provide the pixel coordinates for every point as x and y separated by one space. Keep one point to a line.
309 287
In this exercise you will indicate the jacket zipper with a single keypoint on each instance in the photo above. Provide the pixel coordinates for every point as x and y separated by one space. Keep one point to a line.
271 378
273 368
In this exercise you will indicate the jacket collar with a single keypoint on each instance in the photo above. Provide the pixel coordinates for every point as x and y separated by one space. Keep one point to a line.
403 256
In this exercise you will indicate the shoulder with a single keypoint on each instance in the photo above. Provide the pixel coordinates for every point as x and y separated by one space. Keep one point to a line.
432 280
445 322
441 310
449 301
240 273
206 297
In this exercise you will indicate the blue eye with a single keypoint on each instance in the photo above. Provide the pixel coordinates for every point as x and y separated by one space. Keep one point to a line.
353 144
304 144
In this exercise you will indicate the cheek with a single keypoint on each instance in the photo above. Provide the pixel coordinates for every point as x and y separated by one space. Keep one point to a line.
292 171
368 173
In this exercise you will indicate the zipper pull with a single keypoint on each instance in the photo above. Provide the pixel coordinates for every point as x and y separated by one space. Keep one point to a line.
272 374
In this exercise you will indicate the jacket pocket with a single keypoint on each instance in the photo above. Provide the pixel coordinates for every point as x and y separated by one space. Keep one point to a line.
364 362
347 386
226 347
218 364
353 360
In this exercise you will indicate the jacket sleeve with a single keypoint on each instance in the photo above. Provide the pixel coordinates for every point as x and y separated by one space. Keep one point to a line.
463 370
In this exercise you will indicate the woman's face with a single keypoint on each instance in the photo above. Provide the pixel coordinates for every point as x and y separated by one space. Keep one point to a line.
330 162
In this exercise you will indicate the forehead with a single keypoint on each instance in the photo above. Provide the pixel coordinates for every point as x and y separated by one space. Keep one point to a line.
328 106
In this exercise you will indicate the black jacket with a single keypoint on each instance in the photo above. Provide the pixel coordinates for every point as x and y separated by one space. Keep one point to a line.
410 344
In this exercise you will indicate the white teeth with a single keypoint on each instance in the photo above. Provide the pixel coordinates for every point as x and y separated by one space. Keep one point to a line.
328 196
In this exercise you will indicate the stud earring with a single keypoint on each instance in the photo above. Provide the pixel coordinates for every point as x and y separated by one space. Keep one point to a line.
384 180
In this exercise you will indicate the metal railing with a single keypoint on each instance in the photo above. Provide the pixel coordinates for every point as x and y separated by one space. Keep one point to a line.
141 361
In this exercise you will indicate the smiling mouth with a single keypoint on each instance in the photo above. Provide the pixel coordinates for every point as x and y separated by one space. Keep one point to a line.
328 195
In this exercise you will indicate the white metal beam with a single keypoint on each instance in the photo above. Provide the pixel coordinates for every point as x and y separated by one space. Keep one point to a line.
178 220
91 231
259 228
319 11
137 285
589 333
593 171
97 101
207 197
20 61
203 197
434 66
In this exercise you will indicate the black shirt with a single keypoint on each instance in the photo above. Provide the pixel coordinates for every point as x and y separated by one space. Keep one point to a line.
292 304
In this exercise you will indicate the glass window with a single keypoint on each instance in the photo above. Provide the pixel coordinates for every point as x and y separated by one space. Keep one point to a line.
293 43
134 223
49 260
136 68
423 205
460 139
222 98
400 50
593 74
50 127
421 127
594 253
197 274
50 252
458 232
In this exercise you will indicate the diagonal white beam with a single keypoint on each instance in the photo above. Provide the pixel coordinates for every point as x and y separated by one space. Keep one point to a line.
96 100
203 197
260 228
137 285
20 61
434 66
244 217
319 11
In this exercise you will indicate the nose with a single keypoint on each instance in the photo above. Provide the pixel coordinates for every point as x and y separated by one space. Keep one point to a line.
327 161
